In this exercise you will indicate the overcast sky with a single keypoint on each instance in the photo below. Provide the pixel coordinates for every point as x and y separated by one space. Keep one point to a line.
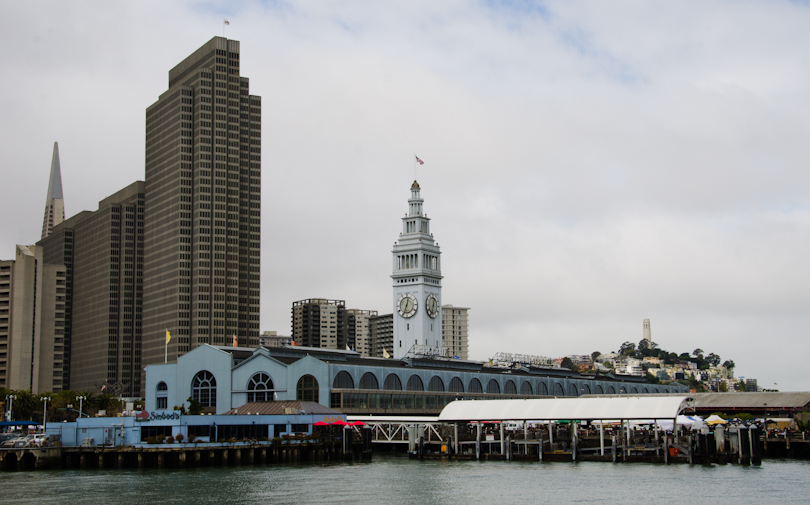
587 164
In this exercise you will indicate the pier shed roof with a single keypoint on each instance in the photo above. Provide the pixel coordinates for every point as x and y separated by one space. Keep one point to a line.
554 409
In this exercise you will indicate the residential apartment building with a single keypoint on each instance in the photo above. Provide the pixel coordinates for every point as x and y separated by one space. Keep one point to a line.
319 322
202 207
455 330
359 331
32 317
381 333
103 255
273 339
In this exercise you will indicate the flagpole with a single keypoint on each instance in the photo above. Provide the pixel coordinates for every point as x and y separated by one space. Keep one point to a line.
166 348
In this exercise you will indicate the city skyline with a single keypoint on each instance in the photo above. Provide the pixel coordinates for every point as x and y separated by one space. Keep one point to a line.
586 167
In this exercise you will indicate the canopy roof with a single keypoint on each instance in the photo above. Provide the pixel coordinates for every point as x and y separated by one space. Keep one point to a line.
19 423
552 409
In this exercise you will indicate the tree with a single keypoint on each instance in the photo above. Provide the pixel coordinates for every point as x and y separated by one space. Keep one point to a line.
195 407
713 358
698 353
652 378
729 365
644 347
627 348
595 355
723 387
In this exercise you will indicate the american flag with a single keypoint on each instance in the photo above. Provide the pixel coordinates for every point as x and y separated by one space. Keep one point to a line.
225 21
418 160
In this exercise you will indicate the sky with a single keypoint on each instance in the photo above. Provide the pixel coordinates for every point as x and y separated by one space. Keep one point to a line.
588 165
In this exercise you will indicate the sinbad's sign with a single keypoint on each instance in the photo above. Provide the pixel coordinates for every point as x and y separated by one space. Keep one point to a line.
157 416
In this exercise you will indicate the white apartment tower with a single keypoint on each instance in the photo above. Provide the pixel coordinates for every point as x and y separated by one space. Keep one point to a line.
417 282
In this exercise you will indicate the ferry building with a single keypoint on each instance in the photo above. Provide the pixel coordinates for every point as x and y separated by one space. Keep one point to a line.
420 378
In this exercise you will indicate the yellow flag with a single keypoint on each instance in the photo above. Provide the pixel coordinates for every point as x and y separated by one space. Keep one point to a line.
168 337
385 354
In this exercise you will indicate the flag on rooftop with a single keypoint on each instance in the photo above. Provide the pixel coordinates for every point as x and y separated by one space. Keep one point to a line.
385 354
168 337
225 21
418 160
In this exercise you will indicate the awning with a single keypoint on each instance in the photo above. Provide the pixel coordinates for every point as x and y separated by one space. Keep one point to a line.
553 409
19 423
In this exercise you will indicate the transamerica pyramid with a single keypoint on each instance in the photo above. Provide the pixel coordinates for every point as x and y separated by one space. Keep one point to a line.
54 205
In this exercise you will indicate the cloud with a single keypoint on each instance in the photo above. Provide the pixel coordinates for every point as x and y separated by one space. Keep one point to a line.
588 165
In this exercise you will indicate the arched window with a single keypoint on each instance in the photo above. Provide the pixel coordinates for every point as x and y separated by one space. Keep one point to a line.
542 389
392 382
611 390
645 390
259 387
475 386
369 381
655 390
436 384
307 390
162 400
622 390
526 388
573 390
493 387
204 389
456 386
343 380
598 390
415 384
510 388
558 390
633 391
586 389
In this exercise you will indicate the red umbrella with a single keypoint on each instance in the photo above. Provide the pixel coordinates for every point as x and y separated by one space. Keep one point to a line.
357 423
320 423
340 423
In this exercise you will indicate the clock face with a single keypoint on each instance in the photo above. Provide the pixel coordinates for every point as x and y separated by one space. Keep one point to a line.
406 306
432 305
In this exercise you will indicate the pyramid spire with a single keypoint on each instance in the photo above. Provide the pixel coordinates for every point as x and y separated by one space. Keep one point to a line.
54 204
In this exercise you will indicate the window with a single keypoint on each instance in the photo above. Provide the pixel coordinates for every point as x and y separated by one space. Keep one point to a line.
307 390
436 384
526 388
475 386
369 381
510 388
343 381
493 387
456 386
259 387
162 386
392 382
415 384
204 389
162 403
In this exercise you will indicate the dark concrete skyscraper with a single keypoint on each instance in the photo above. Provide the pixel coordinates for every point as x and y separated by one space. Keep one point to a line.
202 207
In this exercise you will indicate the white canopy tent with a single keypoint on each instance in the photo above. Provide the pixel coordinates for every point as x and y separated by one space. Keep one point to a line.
624 408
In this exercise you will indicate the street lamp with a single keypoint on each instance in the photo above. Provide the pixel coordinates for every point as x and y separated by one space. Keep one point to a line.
44 412
10 401
80 398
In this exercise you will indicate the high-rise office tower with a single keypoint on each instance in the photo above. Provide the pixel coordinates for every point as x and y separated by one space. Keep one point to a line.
54 204
103 255
202 207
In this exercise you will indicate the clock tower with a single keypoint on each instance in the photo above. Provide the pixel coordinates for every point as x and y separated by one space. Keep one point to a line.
417 282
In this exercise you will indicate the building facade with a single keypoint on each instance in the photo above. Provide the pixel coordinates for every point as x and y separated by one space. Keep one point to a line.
32 318
455 330
202 207
417 286
273 339
319 322
104 299
381 331
225 378
359 330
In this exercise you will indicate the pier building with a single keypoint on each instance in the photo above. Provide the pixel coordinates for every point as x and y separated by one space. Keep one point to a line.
223 378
